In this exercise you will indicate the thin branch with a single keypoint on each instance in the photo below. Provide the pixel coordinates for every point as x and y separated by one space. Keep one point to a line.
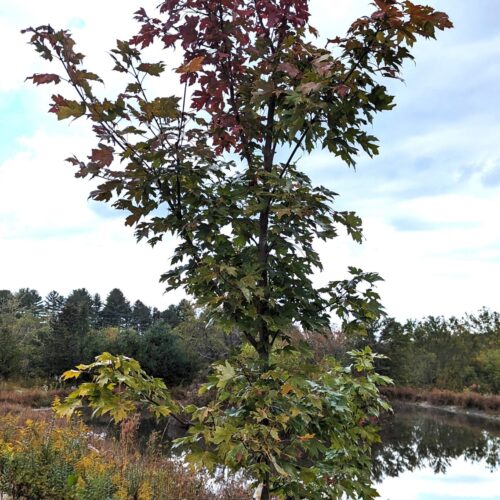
266 31
298 145
178 418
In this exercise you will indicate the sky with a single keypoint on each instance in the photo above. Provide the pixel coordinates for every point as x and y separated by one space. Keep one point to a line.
430 202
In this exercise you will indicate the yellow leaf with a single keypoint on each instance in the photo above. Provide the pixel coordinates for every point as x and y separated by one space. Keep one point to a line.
275 435
71 374
191 66
286 388
307 437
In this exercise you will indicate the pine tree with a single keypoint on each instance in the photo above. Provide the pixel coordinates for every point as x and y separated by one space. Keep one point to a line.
53 303
116 310
140 316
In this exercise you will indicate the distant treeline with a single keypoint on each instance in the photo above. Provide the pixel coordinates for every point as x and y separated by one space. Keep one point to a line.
435 352
42 337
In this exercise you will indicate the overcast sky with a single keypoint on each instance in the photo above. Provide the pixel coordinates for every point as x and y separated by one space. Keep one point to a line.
430 201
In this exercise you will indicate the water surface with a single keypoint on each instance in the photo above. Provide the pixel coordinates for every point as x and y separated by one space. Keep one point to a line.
436 455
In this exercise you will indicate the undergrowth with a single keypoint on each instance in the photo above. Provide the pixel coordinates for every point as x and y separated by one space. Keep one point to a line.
53 459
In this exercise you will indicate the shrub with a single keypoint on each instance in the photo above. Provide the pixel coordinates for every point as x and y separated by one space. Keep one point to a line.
49 459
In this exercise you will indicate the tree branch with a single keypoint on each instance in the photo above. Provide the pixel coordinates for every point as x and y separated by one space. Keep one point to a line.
298 145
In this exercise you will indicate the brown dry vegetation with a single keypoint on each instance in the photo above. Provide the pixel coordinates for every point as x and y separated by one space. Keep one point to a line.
32 397
24 411
439 397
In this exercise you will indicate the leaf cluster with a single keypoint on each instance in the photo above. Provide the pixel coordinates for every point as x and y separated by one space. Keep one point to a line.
305 428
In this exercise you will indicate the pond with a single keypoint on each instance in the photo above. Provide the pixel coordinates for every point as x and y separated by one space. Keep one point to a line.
436 455
425 454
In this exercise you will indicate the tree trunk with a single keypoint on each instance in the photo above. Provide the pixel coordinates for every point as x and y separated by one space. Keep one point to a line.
265 495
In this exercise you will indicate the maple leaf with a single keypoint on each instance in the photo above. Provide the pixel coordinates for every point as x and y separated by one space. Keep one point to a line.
307 88
66 108
226 373
307 437
40 79
292 70
103 155
192 66
57 101
323 65
342 90
71 374
151 69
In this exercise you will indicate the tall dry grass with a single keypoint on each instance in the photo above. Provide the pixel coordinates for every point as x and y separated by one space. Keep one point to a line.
32 397
441 397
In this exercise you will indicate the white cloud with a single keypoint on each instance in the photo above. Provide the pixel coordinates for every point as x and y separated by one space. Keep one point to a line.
52 239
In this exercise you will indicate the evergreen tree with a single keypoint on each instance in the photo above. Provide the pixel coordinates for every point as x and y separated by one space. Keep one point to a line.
63 345
116 311
155 315
30 300
95 308
163 355
176 314
5 297
141 316
53 303
171 316
80 297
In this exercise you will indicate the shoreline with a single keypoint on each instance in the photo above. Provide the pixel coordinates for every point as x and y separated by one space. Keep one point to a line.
456 410
471 404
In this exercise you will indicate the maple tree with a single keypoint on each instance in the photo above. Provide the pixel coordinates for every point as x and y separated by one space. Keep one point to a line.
217 165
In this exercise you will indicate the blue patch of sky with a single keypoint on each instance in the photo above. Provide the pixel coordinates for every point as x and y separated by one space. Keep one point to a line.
104 210
465 478
386 177
107 211
17 120
76 23
472 20
492 178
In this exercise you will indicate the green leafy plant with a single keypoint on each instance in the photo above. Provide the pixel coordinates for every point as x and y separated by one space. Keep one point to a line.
285 427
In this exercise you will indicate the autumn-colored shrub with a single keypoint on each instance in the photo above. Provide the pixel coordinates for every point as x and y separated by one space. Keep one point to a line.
49 459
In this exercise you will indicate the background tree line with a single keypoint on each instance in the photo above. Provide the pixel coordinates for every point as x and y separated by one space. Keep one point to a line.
433 352
42 337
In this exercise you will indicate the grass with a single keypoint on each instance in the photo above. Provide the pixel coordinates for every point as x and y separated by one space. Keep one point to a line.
441 397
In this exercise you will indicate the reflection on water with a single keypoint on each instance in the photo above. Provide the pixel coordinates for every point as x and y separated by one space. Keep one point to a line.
432 454
424 455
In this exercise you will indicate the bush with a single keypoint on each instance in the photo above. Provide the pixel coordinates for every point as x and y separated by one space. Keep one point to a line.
48 460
